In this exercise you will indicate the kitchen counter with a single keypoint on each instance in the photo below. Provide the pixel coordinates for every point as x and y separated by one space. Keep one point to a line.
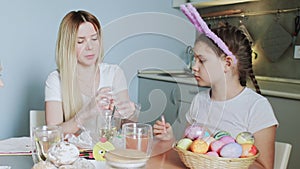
161 75
270 86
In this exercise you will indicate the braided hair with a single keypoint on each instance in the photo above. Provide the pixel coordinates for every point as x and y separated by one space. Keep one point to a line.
238 43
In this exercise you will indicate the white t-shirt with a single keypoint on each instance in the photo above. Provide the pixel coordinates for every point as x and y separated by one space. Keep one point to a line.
110 76
248 111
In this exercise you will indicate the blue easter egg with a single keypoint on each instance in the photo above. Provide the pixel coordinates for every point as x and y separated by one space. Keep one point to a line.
231 150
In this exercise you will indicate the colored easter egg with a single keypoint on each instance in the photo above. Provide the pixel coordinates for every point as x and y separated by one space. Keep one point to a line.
194 131
245 138
212 153
221 134
216 145
184 143
227 139
206 134
231 150
248 150
199 146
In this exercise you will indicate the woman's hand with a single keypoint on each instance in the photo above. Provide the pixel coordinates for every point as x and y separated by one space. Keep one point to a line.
126 110
99 103
163 131
104 99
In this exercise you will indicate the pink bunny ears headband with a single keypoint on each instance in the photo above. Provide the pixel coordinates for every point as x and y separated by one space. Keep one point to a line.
192 14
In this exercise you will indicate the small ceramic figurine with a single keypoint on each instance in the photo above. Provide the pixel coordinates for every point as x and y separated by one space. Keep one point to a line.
101 148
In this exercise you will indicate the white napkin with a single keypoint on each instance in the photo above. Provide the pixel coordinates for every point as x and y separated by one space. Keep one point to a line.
15 145
5 167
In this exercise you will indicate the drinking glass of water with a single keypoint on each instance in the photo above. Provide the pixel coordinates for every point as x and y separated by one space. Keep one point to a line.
138 136
106 125
43 137
136 147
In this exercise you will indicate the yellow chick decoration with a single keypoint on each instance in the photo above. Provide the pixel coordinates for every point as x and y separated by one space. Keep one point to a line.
101 148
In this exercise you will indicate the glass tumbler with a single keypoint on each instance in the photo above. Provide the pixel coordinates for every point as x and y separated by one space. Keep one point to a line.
43 137
106 125
138 136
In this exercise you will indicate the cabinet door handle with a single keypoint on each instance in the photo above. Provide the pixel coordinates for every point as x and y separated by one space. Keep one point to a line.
178 115
184 101
173 96
192 92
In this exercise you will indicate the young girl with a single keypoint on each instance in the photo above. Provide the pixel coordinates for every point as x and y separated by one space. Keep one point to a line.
229 105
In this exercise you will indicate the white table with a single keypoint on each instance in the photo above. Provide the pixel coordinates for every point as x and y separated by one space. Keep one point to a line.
163 157
16 161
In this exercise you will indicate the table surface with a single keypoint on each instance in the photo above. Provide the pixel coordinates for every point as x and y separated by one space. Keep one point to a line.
164 157
169 159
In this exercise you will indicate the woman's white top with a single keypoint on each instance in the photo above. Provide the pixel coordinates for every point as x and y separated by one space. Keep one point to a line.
110 76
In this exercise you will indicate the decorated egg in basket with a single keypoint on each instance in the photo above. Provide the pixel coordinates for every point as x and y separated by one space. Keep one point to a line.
196 131
219 150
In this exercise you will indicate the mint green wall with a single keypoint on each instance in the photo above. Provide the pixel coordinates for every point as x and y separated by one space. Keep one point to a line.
28 36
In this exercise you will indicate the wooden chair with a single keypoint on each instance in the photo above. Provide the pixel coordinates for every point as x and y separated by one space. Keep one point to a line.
37 118
282 155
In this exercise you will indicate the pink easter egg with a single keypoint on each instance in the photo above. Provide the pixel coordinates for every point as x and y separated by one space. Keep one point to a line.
227 139
194 131
212 153
216 145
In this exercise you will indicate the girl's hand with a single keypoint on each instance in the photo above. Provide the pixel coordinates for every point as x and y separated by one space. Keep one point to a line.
163 131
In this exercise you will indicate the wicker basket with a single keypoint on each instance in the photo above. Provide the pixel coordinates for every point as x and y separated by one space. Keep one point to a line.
202 161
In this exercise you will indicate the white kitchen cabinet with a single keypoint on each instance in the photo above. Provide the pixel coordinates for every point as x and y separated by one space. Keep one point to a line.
170 99
157 98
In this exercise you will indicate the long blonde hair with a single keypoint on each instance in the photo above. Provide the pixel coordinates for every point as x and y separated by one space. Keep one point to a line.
66 59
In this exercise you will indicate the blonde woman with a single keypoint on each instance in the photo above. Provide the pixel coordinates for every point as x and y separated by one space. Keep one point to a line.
73 91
